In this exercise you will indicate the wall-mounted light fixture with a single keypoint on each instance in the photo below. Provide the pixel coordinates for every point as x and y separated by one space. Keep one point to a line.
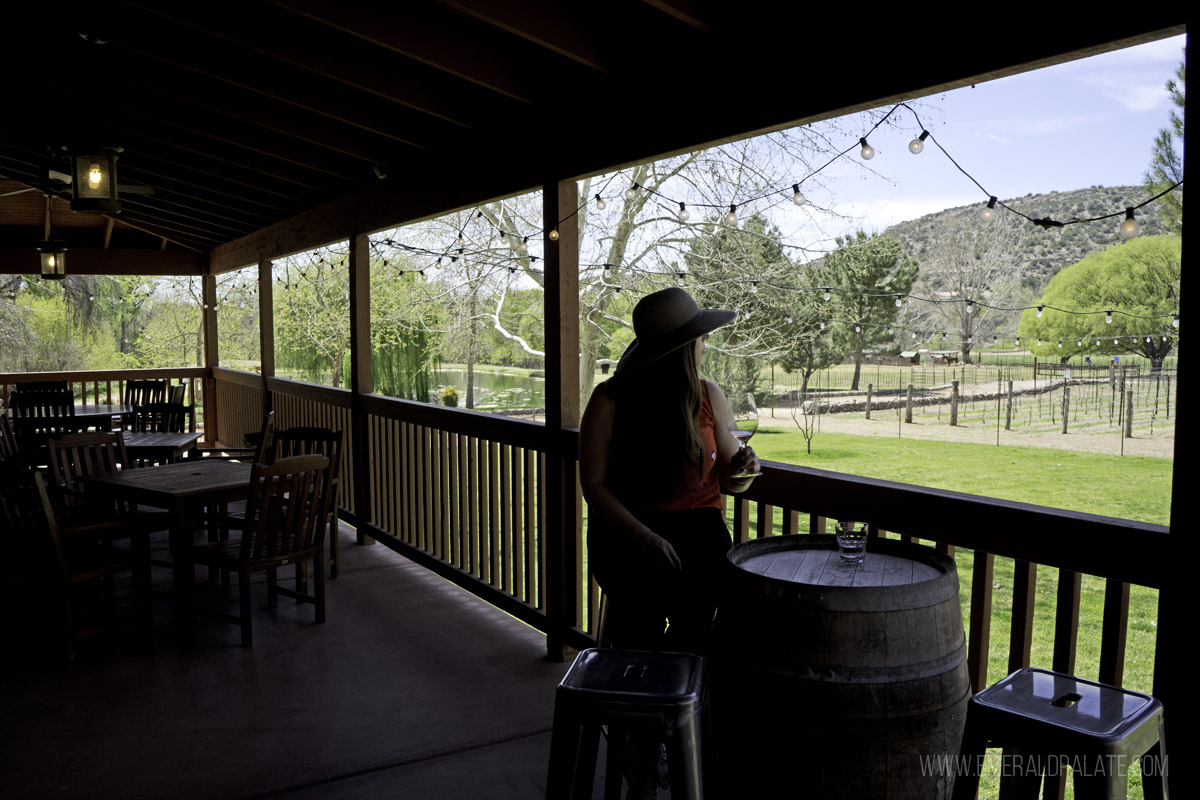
94 180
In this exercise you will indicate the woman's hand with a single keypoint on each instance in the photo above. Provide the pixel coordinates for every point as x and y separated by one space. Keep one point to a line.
657 552
744 460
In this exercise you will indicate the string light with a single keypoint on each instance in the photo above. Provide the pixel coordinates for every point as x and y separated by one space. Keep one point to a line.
899 298
607 271
753 287
631 192
680 276
523 247
731 217
1107 316
1039 311
988 212
918 144
683 212
600 201
867 152
553 234
1130 227
797 197
827 295
1175 322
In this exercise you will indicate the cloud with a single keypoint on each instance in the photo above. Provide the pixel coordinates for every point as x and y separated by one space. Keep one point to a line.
1137 93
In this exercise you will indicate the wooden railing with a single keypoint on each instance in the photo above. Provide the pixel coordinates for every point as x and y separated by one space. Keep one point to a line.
108 385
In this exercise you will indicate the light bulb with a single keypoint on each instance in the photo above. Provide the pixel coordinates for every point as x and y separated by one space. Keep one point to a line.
1147 340
918 144
1115 341
912 335
822 324
631 192
683 212
797 197
988 212
600 201
52 261
1039 341
1108 316
731 217
1079 343
607 271
680 276
1060 344
753 287
867 151
827 294
789 320
1039 310
1130 227
899 297
1175 322
1018 341
503 239
617 291
523 247
94 175
553 234
970 306
858 328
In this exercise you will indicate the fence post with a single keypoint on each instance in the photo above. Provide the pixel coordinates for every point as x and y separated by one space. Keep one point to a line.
953 403
908 404
1066 406
1129 413
1008 409
870 387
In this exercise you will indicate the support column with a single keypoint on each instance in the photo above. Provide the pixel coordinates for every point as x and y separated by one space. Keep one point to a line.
564 528
212 356
266 320
361 380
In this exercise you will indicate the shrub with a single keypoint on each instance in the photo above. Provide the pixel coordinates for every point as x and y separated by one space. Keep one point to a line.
449 397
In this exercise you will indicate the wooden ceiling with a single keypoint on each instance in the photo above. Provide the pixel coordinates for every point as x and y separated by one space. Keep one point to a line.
253 119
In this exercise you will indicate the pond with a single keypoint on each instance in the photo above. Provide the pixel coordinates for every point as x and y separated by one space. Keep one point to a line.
493 388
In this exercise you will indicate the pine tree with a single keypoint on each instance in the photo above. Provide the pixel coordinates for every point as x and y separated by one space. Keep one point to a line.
1166 165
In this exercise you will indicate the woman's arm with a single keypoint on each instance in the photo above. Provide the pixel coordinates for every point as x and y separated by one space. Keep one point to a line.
595 450
731 457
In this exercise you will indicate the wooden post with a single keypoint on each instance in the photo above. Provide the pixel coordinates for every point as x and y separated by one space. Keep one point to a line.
1066 406
1129 413
564 561
361 379
953 403
908 404
870 387
266 320
1008 408
212 356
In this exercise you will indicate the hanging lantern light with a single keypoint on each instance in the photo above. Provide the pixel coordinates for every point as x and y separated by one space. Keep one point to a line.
54 259
94 180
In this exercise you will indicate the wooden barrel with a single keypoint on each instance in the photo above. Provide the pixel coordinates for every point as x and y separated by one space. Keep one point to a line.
839 680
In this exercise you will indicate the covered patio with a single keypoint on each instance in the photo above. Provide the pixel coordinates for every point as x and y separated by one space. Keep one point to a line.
272 128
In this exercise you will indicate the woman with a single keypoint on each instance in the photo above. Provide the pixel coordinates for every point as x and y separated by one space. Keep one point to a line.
653 458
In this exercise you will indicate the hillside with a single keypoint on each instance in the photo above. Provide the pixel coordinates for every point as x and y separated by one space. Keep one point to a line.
1043 252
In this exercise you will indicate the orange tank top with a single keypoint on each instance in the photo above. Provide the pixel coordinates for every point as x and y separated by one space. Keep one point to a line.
700 487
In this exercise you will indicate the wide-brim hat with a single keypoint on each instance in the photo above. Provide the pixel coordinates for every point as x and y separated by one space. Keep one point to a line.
666 320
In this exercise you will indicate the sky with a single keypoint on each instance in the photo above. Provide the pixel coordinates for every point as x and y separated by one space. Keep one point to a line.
1084 123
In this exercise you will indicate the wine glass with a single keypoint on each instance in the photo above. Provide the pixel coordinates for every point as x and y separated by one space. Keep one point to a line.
743 425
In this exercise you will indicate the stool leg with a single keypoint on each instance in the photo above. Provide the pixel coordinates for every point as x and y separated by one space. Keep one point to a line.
617 741
564 753
686 758
1154 767
1023 780
972 753
585 764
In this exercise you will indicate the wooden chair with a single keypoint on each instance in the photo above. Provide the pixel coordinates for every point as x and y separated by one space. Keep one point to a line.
257 447
319 441
38 415
30 387
276 534
9 450
175 394
34 555
141 393
82 517
164 418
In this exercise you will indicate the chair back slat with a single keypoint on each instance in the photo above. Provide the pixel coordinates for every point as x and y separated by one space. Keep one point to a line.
75 455
161 417
286 508
308 440
140 393
9 450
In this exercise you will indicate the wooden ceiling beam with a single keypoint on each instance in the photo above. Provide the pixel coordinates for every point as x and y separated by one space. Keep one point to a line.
443 39
554 26
24 261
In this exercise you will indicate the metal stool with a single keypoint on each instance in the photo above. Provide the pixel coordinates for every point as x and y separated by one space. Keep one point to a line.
1046 718
627 689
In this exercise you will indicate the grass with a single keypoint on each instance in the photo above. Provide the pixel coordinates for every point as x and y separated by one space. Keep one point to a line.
1130 487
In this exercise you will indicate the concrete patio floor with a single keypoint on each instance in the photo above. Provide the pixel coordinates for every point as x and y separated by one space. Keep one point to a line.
413 688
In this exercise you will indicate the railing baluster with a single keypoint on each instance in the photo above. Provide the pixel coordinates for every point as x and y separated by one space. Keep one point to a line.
766 521
464 503
1066 621
791 521
529 508
741 519
1024 594
1114 629
472 565
541 530
506 531
979 638
495 565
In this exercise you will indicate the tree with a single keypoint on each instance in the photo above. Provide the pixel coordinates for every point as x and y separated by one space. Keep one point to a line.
970 273
1136 280
1166 164
865 274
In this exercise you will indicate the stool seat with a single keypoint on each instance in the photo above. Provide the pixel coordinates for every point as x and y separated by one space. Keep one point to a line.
1051 718
627 688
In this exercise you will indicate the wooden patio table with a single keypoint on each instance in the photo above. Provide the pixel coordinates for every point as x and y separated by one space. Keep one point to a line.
162 447
100 415
183 489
